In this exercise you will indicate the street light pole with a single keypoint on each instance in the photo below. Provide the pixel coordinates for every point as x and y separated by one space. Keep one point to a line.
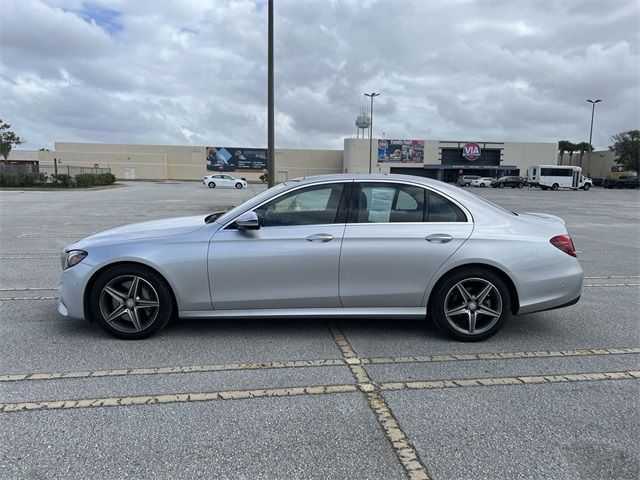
271 151
593 111
371 95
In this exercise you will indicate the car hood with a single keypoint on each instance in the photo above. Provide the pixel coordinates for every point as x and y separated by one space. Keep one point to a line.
142 230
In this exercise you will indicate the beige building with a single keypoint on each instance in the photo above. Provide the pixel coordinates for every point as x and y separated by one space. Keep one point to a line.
442 160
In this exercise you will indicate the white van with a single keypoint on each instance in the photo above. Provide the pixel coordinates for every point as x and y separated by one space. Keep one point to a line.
557 176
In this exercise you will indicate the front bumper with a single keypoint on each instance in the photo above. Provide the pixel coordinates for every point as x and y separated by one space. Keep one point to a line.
71 288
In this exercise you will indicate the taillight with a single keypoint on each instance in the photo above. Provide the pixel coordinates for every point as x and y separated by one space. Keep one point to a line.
564 243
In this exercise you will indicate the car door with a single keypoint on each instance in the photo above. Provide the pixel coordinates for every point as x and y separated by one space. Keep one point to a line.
396 238
291 261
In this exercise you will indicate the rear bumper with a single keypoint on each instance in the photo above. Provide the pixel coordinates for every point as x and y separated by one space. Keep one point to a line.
549 287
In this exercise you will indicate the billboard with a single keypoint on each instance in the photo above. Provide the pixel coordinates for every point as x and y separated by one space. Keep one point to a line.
229 159
401 151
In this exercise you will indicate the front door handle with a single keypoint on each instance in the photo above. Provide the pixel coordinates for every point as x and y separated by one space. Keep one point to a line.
439 238
320 237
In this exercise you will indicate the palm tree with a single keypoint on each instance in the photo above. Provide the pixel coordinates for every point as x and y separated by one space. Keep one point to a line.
562 148
583 147
571 148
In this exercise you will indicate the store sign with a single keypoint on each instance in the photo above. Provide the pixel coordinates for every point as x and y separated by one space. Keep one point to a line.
401 151
471 151
228 159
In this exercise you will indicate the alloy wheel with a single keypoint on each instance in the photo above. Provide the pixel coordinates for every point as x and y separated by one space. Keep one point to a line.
129 303
473 306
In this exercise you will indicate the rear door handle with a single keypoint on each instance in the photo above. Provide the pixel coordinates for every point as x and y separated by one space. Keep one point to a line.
320 237
439 238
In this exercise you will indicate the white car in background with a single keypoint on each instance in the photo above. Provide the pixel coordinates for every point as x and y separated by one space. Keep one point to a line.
222 180
482 182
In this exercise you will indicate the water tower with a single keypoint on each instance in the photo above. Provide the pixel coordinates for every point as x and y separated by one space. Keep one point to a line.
363 122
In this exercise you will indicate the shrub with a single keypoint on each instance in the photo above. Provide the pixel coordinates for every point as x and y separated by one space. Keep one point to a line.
22 179
84 180
61 180
105 178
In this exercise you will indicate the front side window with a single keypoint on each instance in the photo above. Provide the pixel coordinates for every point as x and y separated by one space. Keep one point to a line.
315 205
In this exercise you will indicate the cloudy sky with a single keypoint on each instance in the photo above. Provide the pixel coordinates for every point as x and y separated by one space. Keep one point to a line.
194 72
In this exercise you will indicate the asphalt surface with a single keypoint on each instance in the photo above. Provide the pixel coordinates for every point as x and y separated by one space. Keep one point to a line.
571 425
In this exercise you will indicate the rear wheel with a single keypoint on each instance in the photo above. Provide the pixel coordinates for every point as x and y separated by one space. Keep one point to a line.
131 301
467 184
471 305
520 185
555 186
212 185
501 185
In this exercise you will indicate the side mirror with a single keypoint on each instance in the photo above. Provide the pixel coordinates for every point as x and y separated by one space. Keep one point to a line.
248 221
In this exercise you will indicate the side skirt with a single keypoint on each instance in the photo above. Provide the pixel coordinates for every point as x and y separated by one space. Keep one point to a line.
395 312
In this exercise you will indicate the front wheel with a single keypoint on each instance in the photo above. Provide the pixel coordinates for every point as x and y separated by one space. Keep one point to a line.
212 185
520 185
501 185
587 186
482 185
238 185
467 184
131 302
471 305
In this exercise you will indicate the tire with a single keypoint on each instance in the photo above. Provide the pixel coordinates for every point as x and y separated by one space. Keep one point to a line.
501 185
238 185
482 185
520 185
555 186
448 296
151 288
211 185
467 184
587 186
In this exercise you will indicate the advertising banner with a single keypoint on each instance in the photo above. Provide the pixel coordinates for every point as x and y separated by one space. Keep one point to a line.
401 151
229 159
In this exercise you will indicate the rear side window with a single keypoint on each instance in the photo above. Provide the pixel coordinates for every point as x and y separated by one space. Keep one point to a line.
439 209
388 203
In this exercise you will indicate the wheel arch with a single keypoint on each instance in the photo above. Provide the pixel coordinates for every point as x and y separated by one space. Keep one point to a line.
513 292
94 277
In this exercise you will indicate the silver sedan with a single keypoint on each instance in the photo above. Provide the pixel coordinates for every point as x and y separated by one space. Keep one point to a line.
337 245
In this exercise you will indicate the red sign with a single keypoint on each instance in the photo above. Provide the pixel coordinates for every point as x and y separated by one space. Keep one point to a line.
471 151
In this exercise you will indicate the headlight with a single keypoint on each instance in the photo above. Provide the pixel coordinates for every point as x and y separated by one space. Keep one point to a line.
73 257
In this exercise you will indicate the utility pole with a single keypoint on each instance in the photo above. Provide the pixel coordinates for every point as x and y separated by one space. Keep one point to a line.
371 95
271 150
593 111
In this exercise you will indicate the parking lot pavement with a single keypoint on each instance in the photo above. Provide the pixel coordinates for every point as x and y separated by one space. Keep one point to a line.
554 395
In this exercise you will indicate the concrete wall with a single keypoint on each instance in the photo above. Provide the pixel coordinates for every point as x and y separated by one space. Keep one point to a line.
161 162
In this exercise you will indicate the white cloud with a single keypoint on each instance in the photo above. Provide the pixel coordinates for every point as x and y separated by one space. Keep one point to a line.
195 72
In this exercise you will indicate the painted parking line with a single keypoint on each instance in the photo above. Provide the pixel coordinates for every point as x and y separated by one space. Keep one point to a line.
402 446
43 297
26 289
176 398
352 361
612 276
22 257
613 285
316 390
522 380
